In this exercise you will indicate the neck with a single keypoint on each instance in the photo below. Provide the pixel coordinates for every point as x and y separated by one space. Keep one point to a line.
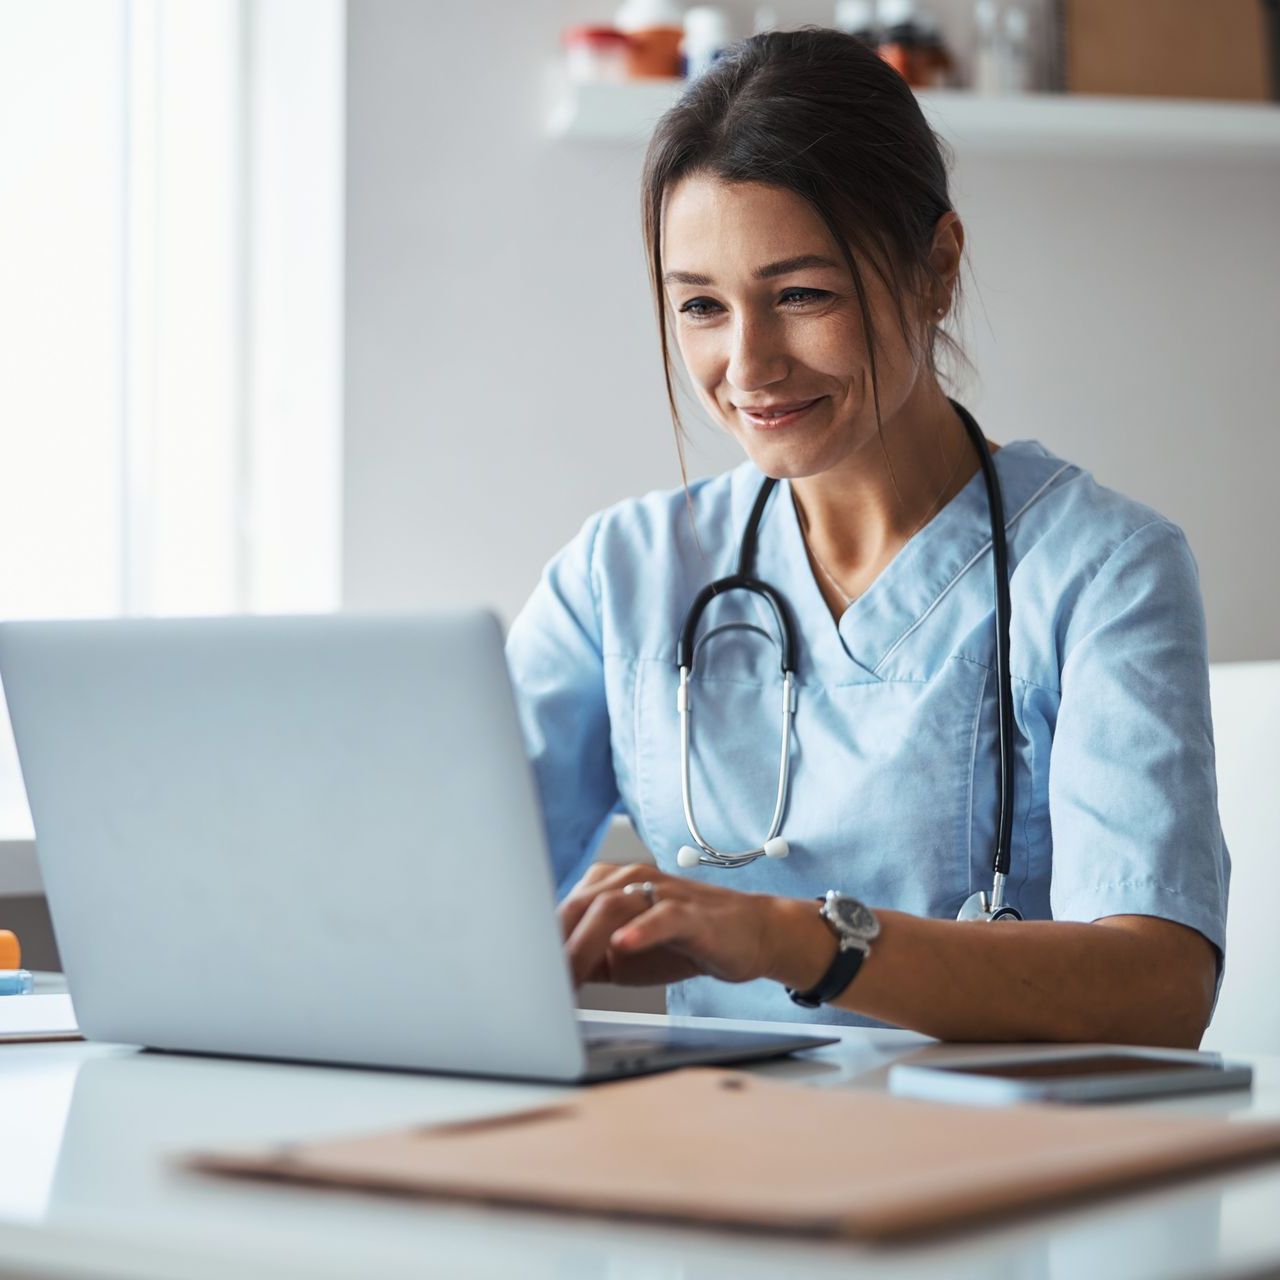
857 515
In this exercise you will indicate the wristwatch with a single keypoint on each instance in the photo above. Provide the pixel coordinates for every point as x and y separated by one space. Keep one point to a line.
854 926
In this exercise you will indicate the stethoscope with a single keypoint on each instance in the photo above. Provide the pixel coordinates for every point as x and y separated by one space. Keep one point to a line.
978 906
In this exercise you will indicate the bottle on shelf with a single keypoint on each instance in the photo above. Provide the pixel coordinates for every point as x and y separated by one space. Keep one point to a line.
986 53
654 29
1002 55
936 64
912 45
1017 50
858 18
706 36
899 36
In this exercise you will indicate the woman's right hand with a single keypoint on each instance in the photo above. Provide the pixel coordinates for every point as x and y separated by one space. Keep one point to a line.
689 928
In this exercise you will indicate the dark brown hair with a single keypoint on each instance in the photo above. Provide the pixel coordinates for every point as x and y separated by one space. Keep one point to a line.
818 113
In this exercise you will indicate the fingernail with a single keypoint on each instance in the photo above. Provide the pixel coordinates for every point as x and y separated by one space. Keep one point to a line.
624 938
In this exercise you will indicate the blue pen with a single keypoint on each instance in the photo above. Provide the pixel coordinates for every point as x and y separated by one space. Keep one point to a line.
16 982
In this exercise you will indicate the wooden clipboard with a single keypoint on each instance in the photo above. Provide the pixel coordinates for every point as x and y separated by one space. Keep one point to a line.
724 1147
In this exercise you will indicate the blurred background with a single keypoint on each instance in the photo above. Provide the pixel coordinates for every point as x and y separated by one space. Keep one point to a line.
308 305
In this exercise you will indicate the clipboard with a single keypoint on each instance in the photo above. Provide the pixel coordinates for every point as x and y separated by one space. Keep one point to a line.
728 1148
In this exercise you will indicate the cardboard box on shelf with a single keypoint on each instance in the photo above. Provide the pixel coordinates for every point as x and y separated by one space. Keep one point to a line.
1170 48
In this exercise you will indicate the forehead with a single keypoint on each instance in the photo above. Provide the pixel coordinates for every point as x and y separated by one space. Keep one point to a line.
713 227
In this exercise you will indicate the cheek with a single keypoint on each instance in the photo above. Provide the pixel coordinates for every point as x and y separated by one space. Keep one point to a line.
835 346
701 355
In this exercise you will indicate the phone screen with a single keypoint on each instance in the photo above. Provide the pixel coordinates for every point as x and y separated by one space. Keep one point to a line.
1100 1064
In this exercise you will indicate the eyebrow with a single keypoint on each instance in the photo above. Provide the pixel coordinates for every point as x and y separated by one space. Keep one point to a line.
785 267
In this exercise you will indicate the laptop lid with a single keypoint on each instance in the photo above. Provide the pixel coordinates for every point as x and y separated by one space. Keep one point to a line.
311 837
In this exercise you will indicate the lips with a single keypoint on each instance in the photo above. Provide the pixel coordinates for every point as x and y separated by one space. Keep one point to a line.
776 414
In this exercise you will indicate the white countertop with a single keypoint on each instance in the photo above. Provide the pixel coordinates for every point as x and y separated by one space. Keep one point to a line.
89 1186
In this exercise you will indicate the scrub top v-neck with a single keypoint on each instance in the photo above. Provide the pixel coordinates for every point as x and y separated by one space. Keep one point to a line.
894 758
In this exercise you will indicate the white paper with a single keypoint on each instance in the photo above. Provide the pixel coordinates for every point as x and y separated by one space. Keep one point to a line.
26 1017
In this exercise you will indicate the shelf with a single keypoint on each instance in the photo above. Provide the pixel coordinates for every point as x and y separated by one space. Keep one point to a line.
1036 123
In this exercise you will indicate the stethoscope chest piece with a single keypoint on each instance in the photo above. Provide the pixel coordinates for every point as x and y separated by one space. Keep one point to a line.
988 906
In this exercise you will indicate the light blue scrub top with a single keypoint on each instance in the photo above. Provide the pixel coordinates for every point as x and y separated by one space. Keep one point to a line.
895 758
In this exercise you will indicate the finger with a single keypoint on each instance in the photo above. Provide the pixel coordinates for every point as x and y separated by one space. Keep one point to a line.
669 923
574 904
589 941
599 878
586 947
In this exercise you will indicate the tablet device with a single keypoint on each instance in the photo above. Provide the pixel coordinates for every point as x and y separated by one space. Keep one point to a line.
1092 1075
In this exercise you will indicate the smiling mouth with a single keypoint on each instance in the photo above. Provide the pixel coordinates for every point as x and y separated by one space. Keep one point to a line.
778 415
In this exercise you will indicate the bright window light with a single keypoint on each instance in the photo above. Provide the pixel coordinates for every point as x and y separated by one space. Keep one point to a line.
170 311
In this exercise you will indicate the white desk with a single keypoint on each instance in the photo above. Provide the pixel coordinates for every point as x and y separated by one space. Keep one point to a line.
88 1187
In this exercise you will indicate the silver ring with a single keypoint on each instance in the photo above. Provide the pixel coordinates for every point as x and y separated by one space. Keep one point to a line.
647 887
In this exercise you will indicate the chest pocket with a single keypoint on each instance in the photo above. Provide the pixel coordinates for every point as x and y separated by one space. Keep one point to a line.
880 801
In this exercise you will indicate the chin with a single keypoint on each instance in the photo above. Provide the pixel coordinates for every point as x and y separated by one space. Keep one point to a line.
788 460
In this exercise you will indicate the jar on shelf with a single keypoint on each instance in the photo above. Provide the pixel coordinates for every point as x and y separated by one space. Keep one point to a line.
596 53
654 29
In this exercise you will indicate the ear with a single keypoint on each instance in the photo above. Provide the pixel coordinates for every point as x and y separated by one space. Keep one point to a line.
945 254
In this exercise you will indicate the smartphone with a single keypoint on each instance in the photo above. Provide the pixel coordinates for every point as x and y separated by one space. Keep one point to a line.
1092 1075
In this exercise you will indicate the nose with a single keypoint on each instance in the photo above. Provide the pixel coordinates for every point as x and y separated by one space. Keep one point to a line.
758 356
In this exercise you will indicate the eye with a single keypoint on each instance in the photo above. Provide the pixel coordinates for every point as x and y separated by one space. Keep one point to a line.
703 308
698 307
796 297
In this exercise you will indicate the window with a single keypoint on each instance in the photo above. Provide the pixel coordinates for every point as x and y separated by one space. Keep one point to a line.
170 311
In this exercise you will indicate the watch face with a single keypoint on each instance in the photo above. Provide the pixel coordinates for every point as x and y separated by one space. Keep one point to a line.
850 916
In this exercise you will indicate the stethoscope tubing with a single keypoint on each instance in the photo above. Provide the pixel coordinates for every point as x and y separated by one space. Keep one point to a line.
745 579
745 856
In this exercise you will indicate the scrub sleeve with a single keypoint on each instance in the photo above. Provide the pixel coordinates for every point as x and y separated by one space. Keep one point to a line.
555 655
1132 781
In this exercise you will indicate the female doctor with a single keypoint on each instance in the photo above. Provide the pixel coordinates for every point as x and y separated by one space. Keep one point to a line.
805 257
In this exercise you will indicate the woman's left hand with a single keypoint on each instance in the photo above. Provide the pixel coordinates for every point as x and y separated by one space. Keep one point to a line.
691 928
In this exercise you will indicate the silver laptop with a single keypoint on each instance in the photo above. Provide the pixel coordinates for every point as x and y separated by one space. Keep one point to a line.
309 838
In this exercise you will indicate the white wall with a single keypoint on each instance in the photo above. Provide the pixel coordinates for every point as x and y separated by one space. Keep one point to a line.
502 374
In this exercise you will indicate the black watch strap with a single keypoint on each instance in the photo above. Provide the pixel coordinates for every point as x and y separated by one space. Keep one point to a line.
842 971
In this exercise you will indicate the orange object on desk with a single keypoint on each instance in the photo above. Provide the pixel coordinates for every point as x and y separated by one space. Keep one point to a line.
10 951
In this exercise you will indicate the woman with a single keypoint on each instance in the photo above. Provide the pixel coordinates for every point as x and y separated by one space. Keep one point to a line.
804 254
